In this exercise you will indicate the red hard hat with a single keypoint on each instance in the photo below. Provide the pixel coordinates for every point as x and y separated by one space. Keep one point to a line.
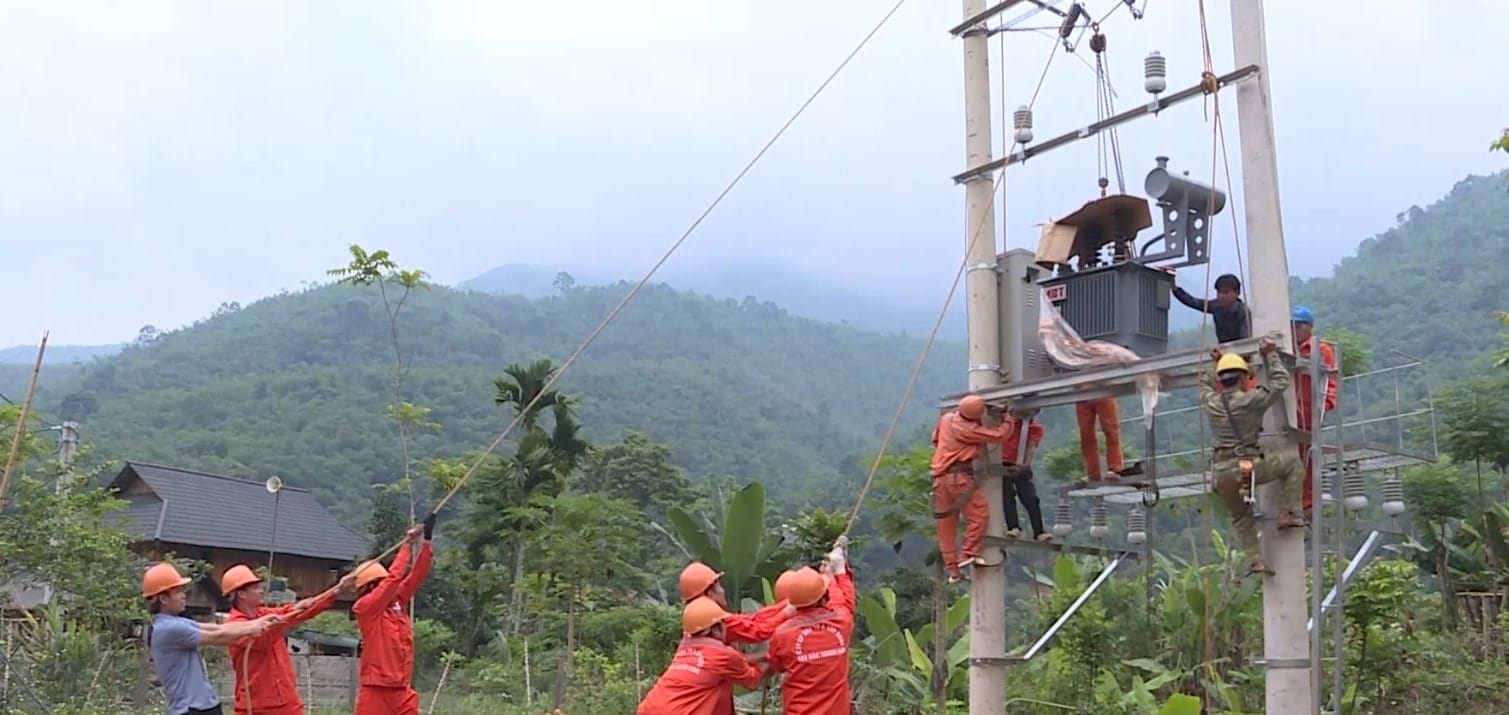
807 587
972 407
701 614
782 588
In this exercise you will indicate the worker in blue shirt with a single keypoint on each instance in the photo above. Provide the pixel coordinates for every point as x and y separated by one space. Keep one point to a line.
1232 318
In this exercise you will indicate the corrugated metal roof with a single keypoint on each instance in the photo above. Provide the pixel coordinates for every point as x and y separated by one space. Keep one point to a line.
199 509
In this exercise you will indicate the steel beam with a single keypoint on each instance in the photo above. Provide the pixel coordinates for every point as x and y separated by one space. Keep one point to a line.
1006 542
1062 140
1105 574
1360 559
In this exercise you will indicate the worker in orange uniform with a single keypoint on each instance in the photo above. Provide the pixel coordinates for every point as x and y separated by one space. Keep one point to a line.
266 675
1104 411
699 580
1303 322
812 648
1024 435
387 657
957 441
701 677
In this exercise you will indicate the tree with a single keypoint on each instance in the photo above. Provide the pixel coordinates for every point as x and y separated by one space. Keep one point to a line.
638 470
732 539
1475 415
523 389
378 268
1502 143
1352 350
1439 500
1501 357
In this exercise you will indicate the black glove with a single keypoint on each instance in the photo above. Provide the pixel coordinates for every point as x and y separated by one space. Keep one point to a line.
429 526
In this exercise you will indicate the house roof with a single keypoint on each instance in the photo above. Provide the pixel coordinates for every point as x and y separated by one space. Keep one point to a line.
210 510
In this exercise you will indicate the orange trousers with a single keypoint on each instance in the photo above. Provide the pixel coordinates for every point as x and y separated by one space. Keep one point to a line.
947 490
377 700
1088 413
280 710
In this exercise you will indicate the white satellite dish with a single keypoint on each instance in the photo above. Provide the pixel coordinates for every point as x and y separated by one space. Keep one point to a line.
273 484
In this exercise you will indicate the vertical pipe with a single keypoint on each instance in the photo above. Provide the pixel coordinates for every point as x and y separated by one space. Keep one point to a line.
1314 464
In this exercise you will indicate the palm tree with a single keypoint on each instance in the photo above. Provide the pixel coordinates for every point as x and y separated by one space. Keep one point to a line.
520 386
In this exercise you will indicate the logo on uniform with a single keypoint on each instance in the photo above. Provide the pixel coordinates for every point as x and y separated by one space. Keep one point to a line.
840 650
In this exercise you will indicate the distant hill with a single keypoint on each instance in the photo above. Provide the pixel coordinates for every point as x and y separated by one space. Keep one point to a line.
804 295
56 354
295 385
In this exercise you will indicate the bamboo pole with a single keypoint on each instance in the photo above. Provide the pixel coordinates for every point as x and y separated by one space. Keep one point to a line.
15 443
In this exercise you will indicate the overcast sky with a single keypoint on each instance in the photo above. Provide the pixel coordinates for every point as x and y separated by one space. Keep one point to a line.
157 158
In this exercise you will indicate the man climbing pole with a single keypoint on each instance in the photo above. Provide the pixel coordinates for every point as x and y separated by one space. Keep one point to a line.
266 675
957 440
174 642
1303 322
1232 319
698 580
812 648
1236 411
387 656
700 679
1104 411
1024 433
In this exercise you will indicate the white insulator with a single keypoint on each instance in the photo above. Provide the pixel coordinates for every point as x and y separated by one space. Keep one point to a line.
1100 521
1355 490
1393 496
1063 519
1154 73
1136 525
1327 489
1021 119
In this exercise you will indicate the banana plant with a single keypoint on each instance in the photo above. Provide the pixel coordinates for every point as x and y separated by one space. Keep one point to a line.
896 654
732 539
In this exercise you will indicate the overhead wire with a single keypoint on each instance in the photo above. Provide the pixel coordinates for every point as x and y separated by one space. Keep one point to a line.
591 337
932 335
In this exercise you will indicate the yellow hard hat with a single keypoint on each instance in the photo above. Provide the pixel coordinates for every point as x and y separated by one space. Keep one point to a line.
1232 361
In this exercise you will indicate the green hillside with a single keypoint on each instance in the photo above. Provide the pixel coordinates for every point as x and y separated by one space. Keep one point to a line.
297 385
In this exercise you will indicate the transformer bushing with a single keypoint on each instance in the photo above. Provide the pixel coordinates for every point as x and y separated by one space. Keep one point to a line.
1136 525
1100 522
1186 207
1063 518
1327 489
1355 491
1393 496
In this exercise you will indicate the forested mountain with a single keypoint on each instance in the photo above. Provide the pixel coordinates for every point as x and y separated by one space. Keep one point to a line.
297 385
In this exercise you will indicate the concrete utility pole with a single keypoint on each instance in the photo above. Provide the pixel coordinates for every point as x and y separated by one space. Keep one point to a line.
68 446
987 593
1285 639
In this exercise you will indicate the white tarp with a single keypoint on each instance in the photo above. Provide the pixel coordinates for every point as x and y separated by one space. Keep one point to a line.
1066 348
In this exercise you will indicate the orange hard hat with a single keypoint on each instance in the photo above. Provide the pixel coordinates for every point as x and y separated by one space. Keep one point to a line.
807 587
696 578
972 407
160 578
370 572
782 588
701 614
236 578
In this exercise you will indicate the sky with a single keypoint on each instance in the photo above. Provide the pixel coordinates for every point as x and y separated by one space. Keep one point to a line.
159 158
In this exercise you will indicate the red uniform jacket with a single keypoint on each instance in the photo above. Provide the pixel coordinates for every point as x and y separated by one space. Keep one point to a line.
700 680
812 649
387 658
1014 438
1302 384
755 627
274 686
959 441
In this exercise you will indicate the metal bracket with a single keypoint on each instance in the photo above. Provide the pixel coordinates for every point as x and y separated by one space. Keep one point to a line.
1067 138
989 660
985 367
993 268
1283 663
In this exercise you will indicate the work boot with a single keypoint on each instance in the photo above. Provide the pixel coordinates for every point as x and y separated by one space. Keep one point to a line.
1131 470
1013 533
955 577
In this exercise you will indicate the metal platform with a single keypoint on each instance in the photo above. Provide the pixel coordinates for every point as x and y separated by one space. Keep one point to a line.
1175 370
1126 553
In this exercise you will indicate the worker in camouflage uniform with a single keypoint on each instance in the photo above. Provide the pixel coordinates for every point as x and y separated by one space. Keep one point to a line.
1236 408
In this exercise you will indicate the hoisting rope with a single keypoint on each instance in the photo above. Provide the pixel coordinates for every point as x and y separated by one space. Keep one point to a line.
932 335
566 366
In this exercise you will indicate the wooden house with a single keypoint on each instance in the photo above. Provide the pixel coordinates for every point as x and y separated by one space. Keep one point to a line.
226 521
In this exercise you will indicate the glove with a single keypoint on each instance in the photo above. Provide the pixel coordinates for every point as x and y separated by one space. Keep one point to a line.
429 526
837 561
